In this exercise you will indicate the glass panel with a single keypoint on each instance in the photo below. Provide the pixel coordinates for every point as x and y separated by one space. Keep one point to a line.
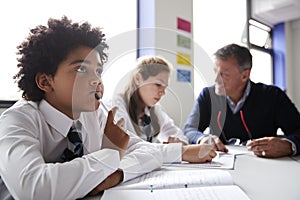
259 37
262 70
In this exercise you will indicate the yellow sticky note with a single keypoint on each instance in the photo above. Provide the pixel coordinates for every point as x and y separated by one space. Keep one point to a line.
184 59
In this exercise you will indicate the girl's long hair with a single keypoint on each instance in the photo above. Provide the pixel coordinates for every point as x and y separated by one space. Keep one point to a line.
147 66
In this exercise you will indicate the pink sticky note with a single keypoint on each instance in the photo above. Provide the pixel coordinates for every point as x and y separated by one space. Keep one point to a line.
183 25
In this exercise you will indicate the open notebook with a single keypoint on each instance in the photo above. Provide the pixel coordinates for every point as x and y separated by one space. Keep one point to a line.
183 184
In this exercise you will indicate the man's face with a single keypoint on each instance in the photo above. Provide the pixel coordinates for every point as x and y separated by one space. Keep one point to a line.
230 81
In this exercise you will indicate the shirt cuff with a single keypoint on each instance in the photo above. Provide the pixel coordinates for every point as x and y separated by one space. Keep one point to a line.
294 148
172 152
108 157
200 138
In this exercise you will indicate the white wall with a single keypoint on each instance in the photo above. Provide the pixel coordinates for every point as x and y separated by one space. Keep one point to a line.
292 29
179 97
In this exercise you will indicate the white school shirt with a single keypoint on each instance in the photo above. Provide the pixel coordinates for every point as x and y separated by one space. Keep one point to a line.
171 152
166 126
32 139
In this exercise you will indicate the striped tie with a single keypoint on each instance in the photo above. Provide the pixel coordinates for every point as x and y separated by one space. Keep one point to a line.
147 127
74 138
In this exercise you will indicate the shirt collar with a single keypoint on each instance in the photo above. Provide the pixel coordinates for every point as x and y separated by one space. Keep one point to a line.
140 119
147 110
235 108
55 118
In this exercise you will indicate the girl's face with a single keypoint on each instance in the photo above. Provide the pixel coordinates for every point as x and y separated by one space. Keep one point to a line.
74 85
152 89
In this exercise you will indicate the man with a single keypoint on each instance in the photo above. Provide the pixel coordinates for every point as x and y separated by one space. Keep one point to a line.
237 109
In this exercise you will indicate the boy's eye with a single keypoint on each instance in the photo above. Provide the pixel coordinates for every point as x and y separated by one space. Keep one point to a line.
99 72
81 69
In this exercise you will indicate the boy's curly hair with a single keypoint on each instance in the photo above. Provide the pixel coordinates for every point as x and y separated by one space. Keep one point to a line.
46 47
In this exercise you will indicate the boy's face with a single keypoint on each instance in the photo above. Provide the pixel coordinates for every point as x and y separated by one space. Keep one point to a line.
75 82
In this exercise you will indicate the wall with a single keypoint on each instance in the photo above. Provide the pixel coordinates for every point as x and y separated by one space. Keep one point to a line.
293 60
159 37
180 97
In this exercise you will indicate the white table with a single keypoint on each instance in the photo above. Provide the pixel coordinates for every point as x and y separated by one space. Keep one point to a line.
263 178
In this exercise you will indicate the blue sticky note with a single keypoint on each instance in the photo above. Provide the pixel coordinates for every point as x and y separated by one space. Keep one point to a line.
183 75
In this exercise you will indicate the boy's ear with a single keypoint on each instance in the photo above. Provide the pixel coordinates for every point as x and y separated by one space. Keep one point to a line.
43 81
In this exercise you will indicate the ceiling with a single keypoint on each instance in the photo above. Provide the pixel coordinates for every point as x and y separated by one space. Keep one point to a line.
272 12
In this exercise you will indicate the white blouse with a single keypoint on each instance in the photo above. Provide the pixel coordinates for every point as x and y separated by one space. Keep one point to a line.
171 152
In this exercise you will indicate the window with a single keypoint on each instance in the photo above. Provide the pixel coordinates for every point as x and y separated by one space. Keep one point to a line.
217 26
260 34
216 23
18 17
262 70
260 47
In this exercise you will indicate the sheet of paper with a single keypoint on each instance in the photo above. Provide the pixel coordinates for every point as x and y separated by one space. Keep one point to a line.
222 161
178 179
239 150
230 192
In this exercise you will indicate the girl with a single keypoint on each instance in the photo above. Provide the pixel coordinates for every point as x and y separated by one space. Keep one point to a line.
145 117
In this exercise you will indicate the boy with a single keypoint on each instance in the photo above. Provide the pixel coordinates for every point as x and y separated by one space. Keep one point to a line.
51 140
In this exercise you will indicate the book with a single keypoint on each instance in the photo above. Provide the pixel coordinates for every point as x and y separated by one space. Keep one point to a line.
178 184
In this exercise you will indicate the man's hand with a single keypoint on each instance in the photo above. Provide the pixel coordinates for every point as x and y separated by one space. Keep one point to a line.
114 137
111 181
198 153
216 142
273 147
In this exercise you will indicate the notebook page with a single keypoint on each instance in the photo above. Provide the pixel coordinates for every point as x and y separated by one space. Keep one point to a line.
229 192
178 179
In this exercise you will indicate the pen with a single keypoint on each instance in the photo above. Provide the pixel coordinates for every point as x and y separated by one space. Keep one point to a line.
106 109
209 137
103 105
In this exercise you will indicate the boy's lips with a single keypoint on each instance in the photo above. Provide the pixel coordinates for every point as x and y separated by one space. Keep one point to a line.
97 96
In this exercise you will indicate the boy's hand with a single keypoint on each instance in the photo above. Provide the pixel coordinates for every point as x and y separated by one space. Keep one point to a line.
114 137
111 181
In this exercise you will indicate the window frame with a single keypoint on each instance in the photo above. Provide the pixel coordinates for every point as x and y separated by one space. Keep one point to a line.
254 46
